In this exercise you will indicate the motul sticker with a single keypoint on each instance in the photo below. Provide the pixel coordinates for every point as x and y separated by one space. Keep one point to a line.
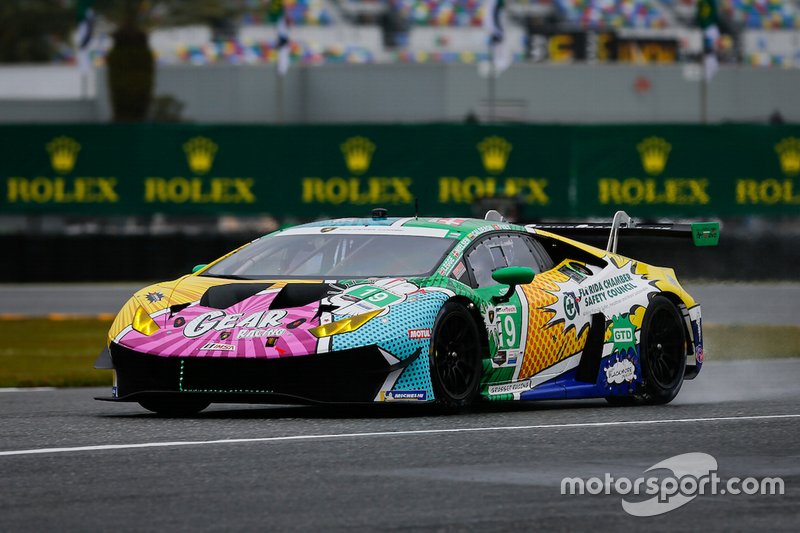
419 334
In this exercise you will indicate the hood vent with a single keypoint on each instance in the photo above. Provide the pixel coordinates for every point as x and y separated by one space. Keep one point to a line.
224 296
300 294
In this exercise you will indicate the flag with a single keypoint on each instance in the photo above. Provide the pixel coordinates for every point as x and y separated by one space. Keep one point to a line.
85 32
707 21
493 19
277 14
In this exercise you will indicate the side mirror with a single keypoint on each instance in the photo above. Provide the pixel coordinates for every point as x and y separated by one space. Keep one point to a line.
511 276
199 267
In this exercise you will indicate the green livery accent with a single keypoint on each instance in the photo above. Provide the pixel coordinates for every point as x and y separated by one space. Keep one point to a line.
705 233
623 333
513 275
493 376
373 295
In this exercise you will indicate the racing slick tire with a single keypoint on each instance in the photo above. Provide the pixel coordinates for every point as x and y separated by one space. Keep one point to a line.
456 365
663 351
174 408
662 355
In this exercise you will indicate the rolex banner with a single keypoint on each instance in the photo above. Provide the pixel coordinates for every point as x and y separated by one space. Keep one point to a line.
304 172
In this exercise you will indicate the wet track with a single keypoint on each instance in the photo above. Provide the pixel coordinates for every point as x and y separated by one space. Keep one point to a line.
115 467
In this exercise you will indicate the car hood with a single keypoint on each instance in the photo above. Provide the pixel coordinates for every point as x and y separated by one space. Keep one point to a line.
213 317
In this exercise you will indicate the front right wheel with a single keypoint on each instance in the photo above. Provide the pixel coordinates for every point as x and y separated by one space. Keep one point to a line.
455 357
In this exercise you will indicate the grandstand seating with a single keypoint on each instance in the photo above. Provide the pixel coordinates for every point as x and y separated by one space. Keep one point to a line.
445 31
752 14
298 12
303 52
612 13
762 14
443 12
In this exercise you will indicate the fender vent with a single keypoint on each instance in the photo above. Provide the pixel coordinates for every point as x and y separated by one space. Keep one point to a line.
589 365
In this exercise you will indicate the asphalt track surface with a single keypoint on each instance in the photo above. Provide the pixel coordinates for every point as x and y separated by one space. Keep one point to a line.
69 463
723 303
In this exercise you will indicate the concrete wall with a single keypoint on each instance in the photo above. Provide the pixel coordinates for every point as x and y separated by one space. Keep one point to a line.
433 93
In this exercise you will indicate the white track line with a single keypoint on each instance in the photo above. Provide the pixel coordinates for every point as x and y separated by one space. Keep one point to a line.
27 389
385 434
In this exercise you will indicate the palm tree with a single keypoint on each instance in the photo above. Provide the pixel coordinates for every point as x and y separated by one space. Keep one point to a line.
131 66
33 29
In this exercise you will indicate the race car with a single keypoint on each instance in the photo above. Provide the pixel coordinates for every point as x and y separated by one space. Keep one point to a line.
418 309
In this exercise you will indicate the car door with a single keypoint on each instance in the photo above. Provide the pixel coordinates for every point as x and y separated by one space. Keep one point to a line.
538 332
506 321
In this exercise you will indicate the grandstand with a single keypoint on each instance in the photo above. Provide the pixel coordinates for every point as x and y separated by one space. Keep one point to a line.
755 32
762 14
298 12
612 13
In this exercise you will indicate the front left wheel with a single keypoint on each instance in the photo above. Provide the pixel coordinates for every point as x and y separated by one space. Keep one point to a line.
456 357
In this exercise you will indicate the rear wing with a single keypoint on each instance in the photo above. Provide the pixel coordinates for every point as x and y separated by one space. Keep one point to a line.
701 233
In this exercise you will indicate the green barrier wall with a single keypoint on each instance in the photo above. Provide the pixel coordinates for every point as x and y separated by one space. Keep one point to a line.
314 171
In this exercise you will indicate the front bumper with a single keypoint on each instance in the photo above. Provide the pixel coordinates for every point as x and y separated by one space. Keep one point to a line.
349 376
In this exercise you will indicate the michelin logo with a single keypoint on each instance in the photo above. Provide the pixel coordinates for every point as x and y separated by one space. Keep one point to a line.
404 395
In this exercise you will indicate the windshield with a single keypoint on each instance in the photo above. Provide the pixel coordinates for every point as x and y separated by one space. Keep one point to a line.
329 256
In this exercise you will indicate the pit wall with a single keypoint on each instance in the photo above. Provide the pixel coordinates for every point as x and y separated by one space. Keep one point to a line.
415 93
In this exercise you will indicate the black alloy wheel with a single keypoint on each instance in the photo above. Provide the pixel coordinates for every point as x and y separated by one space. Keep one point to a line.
663 352
455 359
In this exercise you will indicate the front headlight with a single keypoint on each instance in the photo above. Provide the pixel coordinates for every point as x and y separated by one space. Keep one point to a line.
143 323
344 325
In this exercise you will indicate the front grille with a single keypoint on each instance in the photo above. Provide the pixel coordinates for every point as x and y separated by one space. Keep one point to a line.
347 376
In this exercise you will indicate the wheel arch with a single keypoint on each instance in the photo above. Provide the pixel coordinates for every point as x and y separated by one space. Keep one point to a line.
473 309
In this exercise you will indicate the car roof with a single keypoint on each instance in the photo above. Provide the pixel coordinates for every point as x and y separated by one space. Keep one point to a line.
451 227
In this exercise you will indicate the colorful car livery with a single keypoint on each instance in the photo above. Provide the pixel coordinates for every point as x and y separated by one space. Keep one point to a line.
436 310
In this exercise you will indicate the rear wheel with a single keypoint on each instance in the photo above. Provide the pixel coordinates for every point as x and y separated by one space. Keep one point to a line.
455 358
174 407
662 355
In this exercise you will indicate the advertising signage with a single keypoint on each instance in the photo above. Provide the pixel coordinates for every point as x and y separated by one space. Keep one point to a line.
451 170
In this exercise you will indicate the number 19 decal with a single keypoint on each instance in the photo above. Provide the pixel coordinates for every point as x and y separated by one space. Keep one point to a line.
507 332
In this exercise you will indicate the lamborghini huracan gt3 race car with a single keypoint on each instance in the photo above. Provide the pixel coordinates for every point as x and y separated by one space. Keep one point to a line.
442 310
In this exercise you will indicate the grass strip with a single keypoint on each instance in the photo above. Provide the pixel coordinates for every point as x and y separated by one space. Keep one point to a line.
750 342
52 353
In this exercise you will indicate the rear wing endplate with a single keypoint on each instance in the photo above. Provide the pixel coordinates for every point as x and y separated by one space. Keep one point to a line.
701 233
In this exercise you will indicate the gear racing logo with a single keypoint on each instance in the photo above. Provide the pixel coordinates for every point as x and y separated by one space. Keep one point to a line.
219 320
